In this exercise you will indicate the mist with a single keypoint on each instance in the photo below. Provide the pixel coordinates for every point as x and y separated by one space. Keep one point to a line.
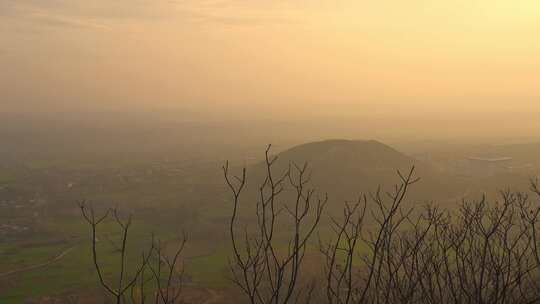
461 69
317 133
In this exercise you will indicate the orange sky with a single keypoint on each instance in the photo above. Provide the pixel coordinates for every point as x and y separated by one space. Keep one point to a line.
276 56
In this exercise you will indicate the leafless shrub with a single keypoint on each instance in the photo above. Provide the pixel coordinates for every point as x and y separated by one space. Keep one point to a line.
166 271
380 272
170 290
486 252
385 252
263 272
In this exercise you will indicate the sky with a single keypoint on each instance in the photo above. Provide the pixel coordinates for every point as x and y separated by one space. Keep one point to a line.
472 60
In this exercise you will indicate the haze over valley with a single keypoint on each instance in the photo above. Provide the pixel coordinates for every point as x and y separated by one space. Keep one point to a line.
215 152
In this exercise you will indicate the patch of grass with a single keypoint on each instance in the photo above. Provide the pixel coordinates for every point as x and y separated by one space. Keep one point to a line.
16 257
209 270
75 271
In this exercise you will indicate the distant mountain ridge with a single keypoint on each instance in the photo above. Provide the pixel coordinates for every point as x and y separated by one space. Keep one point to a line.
348 168
367 153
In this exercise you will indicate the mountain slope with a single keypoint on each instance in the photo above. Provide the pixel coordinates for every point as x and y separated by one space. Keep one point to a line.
347 168
368 154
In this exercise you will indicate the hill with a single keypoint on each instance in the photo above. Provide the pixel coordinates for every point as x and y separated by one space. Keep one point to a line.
347 168
367 155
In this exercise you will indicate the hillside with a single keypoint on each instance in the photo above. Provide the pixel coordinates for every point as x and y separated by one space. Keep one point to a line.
347 168
369 154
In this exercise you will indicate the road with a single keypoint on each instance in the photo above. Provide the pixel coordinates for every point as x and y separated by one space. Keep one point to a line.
44 264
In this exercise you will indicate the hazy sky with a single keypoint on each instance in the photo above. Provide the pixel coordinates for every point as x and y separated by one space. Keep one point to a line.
455 58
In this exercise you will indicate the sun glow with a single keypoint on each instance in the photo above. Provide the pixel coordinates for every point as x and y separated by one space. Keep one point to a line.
429 55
